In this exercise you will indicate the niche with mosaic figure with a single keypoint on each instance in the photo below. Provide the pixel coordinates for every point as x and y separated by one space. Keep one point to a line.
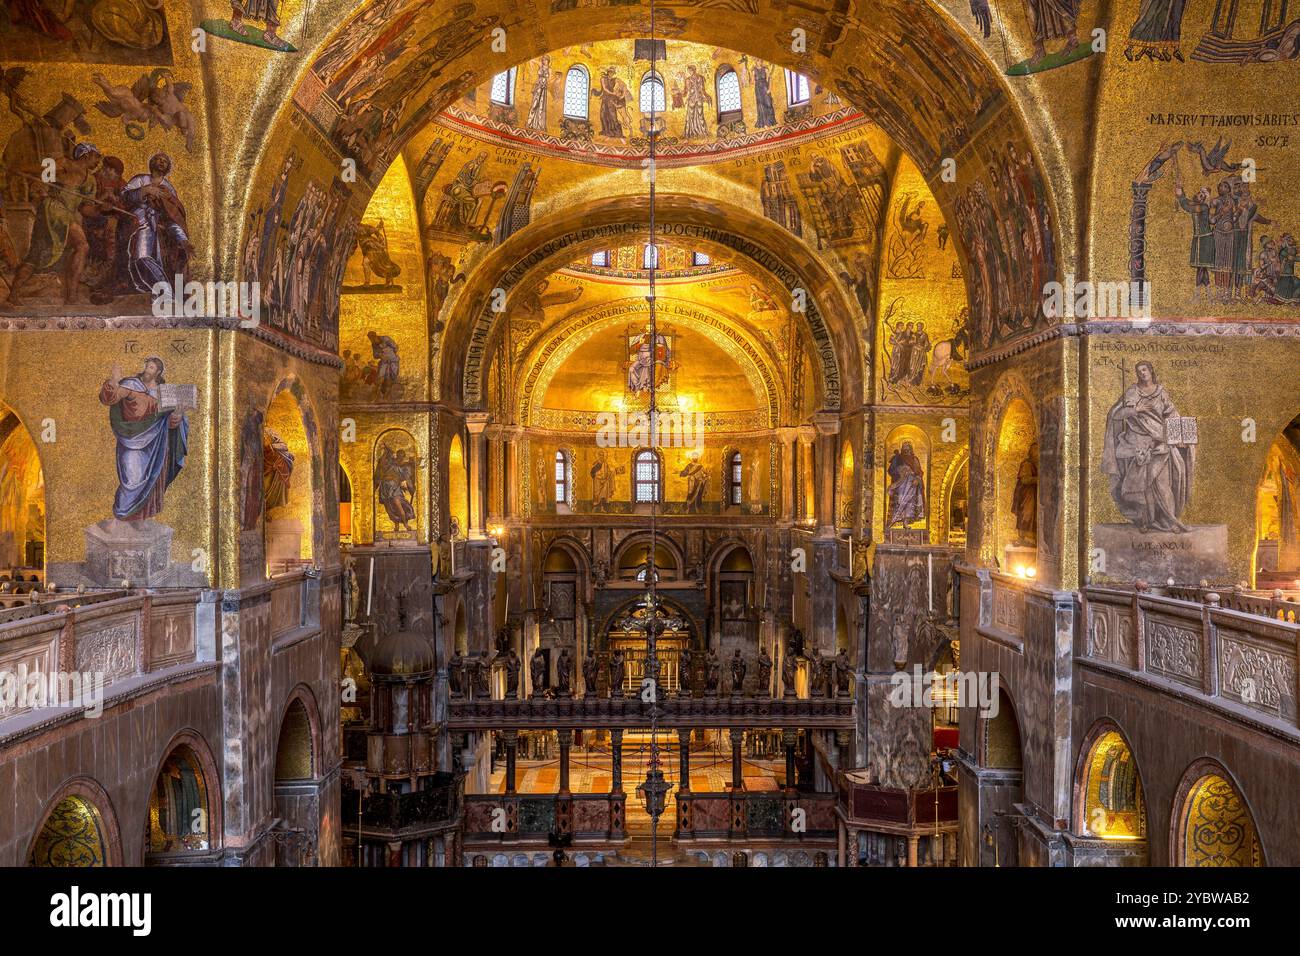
1016 490
906 480
396 463
287 486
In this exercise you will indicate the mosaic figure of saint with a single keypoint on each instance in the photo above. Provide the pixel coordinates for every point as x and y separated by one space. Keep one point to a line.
152 441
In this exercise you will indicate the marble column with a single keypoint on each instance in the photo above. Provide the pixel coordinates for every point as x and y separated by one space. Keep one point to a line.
737 775
804 465
789 738
566 744
510 436
684 760
616 760
826 461
476 425
789 474
512 746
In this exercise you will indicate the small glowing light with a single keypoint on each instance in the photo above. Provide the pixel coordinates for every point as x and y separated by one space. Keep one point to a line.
1020 570
497 531
1031 572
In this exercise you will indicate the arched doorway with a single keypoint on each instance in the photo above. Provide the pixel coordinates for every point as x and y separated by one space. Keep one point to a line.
1214 826
22 507
1003 786
1110 798
180 820
297 795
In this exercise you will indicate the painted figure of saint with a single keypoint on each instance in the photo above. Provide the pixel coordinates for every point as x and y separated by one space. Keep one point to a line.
395 481
265 11
763 96
389 369
537 109
602 483
1157 31
159 245
1024 500
646 361
696 96
1201 257
614 97
1054 20
906 488
1150 477
696 480
277 469
57 235
152 441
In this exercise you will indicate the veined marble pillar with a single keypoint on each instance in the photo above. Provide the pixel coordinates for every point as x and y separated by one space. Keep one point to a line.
512 746
476 424
616 760
825 464
566 744
684 760
789 474
789 738
737 775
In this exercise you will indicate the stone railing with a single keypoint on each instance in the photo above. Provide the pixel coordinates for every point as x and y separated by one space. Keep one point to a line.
295 601
536 818
103 640
755 815
1245 659
831 713
1273 604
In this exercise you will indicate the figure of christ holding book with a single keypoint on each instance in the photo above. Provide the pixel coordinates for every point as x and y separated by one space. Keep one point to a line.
148 420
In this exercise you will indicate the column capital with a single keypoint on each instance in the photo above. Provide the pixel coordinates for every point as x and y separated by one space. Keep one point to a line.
684 735
476 422
566 737
790 736
807 434
616 736
787 434
827 423
737 735
511 737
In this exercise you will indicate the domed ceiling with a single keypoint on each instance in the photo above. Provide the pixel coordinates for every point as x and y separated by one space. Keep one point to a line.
592 102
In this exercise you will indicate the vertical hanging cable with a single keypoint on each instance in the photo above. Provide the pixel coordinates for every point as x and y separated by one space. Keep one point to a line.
652 609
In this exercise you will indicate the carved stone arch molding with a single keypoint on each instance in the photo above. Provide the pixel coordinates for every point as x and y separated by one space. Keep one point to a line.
539 248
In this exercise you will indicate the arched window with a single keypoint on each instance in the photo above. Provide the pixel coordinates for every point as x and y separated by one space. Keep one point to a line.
796 88
727 84
600 258
652 93
650 258
577 86
503 88
700 259
645 477
735 475
563 478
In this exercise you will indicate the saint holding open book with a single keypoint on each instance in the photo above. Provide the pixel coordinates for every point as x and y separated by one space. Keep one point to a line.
148 419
